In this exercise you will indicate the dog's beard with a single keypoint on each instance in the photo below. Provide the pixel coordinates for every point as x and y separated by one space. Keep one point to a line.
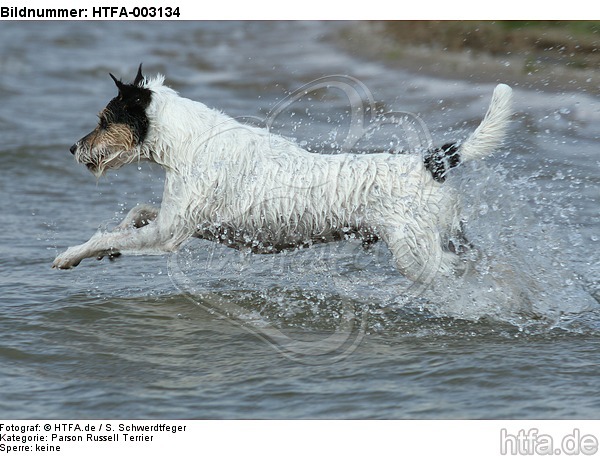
102 160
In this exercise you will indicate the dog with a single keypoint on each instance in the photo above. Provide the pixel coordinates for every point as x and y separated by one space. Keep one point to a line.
252 190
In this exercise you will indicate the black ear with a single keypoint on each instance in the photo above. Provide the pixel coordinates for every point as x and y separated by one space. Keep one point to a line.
139 79
119 84
133 95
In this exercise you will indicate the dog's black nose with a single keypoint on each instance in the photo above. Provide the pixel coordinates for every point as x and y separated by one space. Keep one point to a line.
73 148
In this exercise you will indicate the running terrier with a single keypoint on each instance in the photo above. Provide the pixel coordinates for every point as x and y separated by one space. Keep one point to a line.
249 189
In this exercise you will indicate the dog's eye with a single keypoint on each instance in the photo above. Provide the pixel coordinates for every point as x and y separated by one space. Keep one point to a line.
103 124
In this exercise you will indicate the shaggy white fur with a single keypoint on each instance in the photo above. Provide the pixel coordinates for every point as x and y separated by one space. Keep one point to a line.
250 189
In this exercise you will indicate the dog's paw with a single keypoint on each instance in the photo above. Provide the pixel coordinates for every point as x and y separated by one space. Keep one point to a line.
112 256
64 263
67 260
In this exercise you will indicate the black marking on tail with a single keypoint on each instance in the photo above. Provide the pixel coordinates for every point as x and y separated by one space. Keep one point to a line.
441 160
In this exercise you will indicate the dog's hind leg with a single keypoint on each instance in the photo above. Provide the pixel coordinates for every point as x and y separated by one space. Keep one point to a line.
418 256
459 243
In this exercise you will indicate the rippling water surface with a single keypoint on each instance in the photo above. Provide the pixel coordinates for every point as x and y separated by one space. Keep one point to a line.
329 332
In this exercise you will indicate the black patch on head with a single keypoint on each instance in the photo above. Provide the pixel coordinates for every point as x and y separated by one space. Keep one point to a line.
439 161
129 107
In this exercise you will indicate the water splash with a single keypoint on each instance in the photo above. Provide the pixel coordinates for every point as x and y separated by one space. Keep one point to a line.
521 271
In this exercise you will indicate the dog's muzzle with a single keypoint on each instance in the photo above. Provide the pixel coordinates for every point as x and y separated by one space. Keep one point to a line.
73 148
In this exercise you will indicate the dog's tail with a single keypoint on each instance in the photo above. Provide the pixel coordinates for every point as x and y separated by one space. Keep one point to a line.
481 143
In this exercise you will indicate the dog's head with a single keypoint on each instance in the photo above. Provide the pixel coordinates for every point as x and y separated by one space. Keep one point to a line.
121 129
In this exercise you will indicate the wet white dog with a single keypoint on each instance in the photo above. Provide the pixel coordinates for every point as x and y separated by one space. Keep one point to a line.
249 189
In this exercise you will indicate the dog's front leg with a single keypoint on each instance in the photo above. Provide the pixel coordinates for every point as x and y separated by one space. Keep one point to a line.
92 248
141 215
151 238
138 217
